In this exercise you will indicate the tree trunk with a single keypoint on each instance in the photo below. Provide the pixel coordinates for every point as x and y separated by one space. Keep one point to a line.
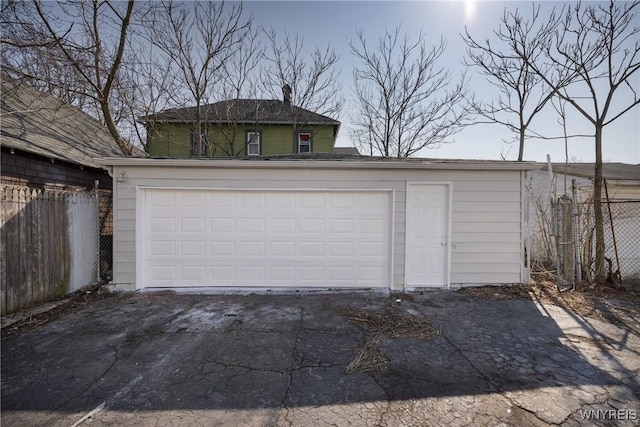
599 271
521 149
124 145
198 130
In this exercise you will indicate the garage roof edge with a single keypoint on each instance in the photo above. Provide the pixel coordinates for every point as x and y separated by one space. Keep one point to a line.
412 163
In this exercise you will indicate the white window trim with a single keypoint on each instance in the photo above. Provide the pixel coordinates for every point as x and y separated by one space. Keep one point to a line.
205 142
258 142
309 143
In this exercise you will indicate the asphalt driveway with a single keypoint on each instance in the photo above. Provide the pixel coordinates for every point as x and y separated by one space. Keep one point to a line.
261 360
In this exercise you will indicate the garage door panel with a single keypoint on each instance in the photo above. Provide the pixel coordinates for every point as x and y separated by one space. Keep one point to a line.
342 249
222 274
314 200
163 248
267 238
284 273
371 249
282 225
192 224
311 225
222 248
193 273
252 200
283 200
193 248
252 249
162 225
282 249
161 199
222 225
193 200
371 225
252 225
341 200
162 273
340 225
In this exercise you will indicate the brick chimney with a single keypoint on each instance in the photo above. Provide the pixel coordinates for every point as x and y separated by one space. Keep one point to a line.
286 93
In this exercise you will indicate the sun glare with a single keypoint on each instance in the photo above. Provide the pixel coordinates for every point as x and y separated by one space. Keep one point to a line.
469 10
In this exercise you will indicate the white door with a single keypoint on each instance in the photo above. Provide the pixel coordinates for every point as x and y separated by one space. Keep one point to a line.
426 235
236 238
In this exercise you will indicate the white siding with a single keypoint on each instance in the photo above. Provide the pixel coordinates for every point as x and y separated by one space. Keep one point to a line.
486 222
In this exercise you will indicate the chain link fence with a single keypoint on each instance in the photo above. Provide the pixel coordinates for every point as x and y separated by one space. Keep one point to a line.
105 222
622 241
575 242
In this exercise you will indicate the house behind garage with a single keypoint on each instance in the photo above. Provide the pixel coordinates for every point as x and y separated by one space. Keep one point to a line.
318 222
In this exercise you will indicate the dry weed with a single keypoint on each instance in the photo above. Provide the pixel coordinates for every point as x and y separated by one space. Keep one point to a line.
392 322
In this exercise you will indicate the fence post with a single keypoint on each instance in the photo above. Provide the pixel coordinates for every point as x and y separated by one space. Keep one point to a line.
96 185
565 243
576 233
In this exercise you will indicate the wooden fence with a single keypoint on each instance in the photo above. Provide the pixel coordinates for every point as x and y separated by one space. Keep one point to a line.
49 245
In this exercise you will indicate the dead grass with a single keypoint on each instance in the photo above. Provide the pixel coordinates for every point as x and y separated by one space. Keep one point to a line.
499 292
392 322
601 302
368 358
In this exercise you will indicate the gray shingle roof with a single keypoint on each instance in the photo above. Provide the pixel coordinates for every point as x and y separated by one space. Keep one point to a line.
248 111
40 124
346 150
613 171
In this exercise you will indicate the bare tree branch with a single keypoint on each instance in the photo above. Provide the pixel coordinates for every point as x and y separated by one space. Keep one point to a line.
522 93
404 101
595 50
197 44
313 79
78 46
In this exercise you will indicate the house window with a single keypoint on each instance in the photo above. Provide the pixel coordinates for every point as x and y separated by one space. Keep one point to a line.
304 142
204 148
253 143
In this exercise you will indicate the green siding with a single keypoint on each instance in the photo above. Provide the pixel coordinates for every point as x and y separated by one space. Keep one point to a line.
170 141
173 139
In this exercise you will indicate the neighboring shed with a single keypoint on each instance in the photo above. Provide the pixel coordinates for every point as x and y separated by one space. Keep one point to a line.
621 197
47 144
318 222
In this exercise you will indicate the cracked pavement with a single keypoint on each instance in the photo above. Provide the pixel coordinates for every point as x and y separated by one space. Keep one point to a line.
159 359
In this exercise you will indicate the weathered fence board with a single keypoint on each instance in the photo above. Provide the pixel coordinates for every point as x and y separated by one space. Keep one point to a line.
49 245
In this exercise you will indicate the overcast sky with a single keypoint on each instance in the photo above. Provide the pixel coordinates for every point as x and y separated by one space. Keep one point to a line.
337 21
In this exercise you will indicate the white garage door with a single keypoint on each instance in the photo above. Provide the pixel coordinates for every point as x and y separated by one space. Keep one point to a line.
235 238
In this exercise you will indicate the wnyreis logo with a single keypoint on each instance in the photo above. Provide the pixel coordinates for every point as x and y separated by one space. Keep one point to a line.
609 414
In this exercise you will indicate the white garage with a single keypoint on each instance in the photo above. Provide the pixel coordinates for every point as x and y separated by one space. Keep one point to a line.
258 238
310 223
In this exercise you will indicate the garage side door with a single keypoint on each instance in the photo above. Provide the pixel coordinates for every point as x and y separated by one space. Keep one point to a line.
426 239
294 239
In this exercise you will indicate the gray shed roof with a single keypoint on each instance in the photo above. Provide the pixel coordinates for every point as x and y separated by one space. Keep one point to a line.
249 111
41 124
613 171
